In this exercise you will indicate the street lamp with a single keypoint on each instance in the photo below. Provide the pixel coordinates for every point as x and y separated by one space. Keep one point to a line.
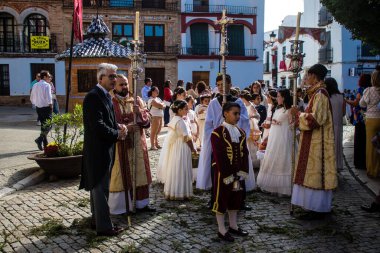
272 40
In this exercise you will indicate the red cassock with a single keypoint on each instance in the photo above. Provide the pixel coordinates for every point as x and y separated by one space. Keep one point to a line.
230 160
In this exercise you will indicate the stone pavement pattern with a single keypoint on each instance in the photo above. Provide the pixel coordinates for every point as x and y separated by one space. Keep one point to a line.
18 130
181 226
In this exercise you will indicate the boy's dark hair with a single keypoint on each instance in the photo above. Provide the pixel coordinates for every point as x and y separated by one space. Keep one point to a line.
228 106
177 105
319 71
44 73
220 78
147 80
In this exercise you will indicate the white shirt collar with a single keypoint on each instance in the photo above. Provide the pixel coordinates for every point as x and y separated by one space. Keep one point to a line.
233 131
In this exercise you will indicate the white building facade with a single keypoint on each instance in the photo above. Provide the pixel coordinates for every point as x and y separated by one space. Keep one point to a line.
200 41
332 45
19 61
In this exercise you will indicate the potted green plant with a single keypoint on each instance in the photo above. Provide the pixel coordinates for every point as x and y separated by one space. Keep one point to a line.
63 156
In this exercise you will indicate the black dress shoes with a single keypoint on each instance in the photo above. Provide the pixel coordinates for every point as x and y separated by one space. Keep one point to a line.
371 208
111 232
245 207
146 209
38 141
238 232
312 216
226 237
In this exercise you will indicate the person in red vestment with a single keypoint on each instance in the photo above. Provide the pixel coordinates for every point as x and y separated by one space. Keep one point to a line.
230 158
121 183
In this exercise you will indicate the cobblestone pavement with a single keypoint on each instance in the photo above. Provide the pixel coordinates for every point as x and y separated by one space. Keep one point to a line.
53 217
18 130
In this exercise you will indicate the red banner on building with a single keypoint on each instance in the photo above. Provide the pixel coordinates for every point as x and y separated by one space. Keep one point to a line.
77 20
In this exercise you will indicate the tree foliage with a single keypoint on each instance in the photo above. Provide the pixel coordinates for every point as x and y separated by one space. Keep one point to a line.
361 17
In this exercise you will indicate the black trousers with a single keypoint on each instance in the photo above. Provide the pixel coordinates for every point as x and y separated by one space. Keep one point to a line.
44 113
360 146
99 204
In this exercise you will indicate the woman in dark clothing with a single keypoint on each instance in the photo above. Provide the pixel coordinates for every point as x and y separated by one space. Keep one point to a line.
358 122
168 93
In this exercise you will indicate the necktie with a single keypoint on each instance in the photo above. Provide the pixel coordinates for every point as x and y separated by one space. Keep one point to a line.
109 100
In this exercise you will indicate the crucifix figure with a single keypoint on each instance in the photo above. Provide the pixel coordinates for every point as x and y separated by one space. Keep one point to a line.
223 23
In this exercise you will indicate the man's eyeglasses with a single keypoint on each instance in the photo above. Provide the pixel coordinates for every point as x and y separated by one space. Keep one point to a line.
123 84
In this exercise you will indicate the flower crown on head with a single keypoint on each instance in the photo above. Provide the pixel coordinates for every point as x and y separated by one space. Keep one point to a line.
205 94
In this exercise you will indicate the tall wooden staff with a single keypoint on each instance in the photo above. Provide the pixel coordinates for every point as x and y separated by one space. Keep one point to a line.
296 67
224 22
136 57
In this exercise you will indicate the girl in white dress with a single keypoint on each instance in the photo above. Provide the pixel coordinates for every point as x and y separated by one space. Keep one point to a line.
276 168
175 165
200 111
254 139
192 117
272 104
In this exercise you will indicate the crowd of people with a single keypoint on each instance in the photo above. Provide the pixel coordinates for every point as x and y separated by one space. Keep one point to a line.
242 141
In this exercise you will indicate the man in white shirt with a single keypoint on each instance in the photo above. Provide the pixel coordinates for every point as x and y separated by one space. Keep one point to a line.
41 97
146 89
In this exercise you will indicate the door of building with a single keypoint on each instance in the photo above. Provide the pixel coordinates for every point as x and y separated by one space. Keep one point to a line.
37 67
201 76
158 78
4 80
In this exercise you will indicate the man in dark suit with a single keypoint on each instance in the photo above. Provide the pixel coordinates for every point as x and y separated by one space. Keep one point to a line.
101 132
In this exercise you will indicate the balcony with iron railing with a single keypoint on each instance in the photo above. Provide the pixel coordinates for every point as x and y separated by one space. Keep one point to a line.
128 4
245 10
365 54
214 52
325 55
324 17
17 44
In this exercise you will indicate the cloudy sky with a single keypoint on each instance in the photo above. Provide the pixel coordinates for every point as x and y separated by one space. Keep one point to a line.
276 10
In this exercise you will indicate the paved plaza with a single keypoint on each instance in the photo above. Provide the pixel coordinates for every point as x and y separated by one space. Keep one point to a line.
54 216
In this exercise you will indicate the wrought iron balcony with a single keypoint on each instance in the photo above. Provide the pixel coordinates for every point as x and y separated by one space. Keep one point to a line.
17 44
324 17
364 54
203 51
325 55
219 8
171 5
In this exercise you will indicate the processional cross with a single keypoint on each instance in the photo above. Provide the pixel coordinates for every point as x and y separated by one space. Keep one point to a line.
223 23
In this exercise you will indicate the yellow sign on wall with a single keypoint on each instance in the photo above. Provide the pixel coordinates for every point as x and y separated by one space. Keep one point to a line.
39 42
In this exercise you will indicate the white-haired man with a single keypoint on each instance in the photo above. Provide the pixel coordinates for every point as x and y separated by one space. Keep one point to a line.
101 132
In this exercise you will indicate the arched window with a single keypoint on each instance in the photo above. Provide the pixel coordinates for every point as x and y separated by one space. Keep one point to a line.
7 32
34 25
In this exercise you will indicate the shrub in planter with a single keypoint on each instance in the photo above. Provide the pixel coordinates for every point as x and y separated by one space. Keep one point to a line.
71 142
63 157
